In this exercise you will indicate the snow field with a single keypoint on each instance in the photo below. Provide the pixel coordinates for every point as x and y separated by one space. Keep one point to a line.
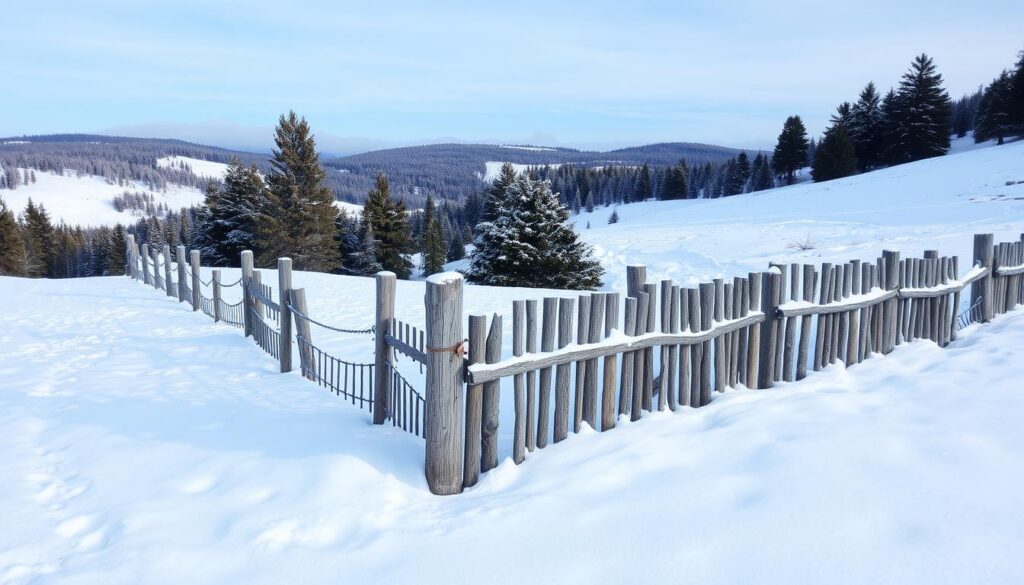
148 444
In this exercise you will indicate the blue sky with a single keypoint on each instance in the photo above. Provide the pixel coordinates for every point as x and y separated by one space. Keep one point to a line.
366 74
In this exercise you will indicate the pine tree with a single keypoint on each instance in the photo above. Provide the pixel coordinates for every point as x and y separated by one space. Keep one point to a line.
1017 97
866 128
456 247
994 112
791 151
436 248
495 197
39 245
835 157
391 227
842 116
923 112
644 187
676 185
614 217
115 250
743 170
235 215
589 205
12 245
301 202
530 244
762 174
366 261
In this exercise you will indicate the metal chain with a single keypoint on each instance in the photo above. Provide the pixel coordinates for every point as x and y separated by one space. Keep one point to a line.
292 308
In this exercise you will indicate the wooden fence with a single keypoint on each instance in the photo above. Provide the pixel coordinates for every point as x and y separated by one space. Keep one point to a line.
599 359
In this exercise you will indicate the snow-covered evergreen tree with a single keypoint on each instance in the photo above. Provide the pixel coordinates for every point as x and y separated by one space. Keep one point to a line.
835 157
12 245
530 244
866 127
922 112
791 151
390 224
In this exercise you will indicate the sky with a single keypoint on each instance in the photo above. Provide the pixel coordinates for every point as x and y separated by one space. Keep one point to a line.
368 75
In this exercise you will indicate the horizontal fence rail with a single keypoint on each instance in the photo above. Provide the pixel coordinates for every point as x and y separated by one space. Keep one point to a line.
598 360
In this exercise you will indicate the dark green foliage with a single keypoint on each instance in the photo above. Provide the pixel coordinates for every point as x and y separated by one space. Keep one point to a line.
791 151
866 128
842 116
835 157
301 206
761 175
435 245
234 215
676 184
614 217
366 261
115 250
390 225
530 244
496 192
12 246
456 247
644 187
995 120
922 112
39 245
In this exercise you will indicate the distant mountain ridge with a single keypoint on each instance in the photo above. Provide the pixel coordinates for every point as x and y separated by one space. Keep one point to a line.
447 171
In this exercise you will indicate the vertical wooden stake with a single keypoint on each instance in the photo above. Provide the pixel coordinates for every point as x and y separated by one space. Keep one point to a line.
492 398
246 258
566 310
982 288
474 402
443 413
180 257
284 284
195 280
217 316
384 314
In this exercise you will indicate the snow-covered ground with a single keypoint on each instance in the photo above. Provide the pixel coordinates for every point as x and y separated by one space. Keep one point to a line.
88 200
931 204
493 169
199 167
143 443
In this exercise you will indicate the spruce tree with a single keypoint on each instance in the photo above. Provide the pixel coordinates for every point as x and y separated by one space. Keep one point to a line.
115 250
866 128
676 184
1017 97
923 112
435 250
366 261
644 186
234 216
12 245
301 202
791 151
614 217
495 197
39 244
762 174
835 157
994 112
530 244
456 247
390 225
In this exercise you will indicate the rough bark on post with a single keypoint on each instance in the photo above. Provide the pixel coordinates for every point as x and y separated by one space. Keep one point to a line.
129 264
531 377
168 280
626 374
443 413
519 381
384 314
180 257
707 313
246 258
611 320
217 315
566 310
298 298
195 280
474 402
892 261
771 281
284 284
547 344
982 288
754 335
492 397
144 257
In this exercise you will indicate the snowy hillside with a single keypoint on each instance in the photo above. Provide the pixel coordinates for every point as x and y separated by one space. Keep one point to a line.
88 200
144 443
199 167
935 203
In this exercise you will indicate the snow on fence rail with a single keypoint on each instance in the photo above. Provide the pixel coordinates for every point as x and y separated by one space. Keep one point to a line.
576 362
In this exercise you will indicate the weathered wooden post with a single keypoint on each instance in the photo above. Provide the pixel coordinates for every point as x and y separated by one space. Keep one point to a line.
145 263
195 280
217 314
443 412
383 358
284 283
180 256
891 281
246 258
982 288
129 245
771 283
298 298
168 277
474 402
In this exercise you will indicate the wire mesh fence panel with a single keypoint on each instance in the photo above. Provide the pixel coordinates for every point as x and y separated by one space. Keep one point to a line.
188 294
206 305
970 315
352 381
406 404
264 335
232 314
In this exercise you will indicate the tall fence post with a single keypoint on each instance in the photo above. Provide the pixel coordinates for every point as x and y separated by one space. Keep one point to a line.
195 280
982 288
246 300
215 279
284 283
154 254
891 260
168 280
180 256
298 298
771 283
129 244
145 263
445 379
383 357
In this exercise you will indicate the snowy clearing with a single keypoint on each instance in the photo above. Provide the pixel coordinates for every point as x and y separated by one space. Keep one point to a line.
199 167
494 169
87 200
147 444
931 204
